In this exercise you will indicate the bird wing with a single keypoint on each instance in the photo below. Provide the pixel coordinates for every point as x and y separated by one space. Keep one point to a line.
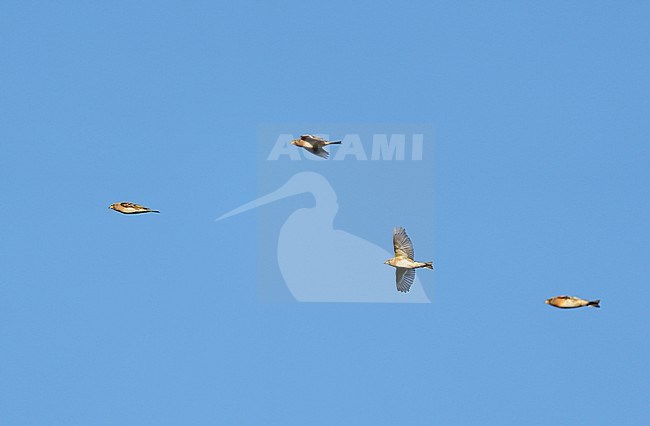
312 139
404 278
321 153
132 205
402 243
138 207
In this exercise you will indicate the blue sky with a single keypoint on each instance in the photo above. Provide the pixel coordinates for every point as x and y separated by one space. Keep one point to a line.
540 187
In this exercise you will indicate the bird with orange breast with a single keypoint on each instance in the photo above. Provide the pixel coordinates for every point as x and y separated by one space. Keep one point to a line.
403 261
314 144
569 302
131 208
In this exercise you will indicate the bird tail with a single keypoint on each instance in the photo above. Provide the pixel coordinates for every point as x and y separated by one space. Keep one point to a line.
334 143
154 211
428 265
594 303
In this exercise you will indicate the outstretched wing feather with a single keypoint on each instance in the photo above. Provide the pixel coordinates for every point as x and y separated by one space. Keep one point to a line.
402 243
404 278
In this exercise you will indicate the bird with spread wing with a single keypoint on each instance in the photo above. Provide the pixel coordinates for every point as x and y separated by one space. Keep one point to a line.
403 261
314 144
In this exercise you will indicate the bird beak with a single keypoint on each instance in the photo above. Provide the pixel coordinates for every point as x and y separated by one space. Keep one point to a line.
287 190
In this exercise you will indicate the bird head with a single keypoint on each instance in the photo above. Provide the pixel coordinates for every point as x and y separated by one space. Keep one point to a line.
112 207
387 262
547 301
294 142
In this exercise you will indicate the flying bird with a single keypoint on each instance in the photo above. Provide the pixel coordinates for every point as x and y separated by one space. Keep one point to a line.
568 302
316 281
131 208
314 144
403 261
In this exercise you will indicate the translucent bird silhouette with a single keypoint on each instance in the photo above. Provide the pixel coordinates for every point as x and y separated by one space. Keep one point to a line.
314 144
131 208
319 263
403 261
568 302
